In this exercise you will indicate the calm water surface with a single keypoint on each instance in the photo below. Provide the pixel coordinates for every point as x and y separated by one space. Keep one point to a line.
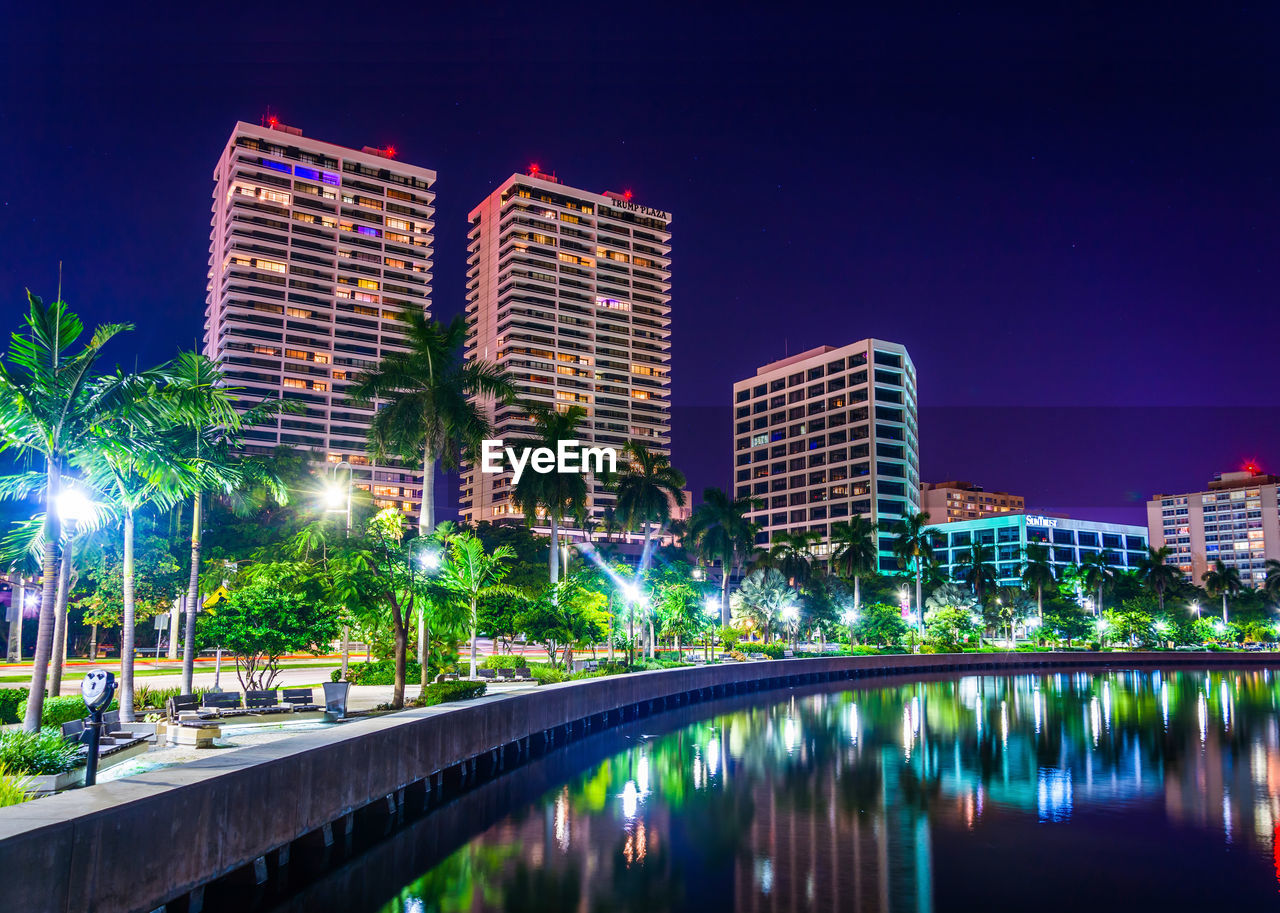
1123 791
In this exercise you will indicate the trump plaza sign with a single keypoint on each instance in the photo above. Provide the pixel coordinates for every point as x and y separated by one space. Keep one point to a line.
568 457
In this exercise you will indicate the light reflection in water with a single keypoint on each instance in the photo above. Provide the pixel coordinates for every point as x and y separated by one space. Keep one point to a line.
864 800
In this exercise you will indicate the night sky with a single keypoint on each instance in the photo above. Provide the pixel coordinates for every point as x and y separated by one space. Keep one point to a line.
1068 213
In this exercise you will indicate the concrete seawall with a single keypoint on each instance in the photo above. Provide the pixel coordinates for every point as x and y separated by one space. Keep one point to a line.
139 843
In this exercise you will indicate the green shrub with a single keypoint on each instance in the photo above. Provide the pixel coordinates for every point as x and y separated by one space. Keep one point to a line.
14 788
13 703
546 675
773 650
59 710
379 672
505 661
443 692
42 752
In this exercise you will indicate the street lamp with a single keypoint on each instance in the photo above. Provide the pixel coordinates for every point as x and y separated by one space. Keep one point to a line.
850 618
631 592
339 500
430 561
790 614
73 505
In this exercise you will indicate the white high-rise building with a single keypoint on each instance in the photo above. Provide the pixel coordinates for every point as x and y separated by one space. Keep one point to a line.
569 292
316 253
826 435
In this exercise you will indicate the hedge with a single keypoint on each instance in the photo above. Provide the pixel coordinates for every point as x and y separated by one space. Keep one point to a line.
13 704
42 752
443 692
380 672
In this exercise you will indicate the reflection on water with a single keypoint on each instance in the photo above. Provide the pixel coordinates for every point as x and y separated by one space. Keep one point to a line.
1128 790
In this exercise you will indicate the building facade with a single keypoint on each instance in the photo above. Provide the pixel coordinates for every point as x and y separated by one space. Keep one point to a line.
316 254
1007 536
826 435
570 292
946 502
1235 519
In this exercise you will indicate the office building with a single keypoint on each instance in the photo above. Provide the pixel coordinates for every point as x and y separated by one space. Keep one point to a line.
946 502
569 291
1234 519
1006 537
826 435
317 252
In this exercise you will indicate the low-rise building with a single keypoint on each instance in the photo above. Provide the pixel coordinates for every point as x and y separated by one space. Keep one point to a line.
946 502
1067 540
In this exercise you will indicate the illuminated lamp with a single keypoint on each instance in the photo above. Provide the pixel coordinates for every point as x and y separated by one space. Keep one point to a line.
626 195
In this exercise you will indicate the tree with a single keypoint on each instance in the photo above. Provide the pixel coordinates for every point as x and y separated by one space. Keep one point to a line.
265 620
913 547
854 553
49 402
1096 575
1157 575
1271 584
880 624
721 532
563 615
555 493
130 459
1068 620
975 569
1222 581
950 626
647 488
761 597
792 554
1037 575
210 423
467 575
430 397
395 580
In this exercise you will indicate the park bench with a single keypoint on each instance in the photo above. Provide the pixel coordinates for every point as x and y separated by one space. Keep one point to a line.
506 675
524 674
301 699
487 674
114 744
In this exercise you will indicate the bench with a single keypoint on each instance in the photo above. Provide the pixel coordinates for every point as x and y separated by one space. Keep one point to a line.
524 674
506 675
487 674
259 699
301 699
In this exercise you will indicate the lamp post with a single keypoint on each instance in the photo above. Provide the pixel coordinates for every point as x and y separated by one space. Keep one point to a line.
789 615
632 593
711 607
340 504
430 561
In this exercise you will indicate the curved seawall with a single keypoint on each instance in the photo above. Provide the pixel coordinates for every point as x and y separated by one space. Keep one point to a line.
153 839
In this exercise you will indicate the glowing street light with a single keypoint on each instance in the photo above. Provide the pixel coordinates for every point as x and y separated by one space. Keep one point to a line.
73 505
711 605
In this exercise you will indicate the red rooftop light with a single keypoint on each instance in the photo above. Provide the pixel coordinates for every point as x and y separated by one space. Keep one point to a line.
391 152
533 168
626 195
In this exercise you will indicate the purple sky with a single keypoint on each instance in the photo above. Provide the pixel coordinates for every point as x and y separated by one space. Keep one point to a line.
1068 208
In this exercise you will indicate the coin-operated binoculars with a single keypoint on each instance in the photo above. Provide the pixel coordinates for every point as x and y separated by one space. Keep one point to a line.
97 689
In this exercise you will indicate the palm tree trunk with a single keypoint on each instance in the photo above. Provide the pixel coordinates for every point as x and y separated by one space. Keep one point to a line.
193 597
427 510
60 623
1040 603
475 623
919 595
857 592
127 622
48 597
426 650
402 650
555 547
19 593
93 641
1224 609
725 568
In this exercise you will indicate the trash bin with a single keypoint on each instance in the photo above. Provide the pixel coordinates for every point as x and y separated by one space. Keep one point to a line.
335 698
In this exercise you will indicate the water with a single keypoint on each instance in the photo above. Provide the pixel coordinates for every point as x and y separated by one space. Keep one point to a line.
1123 791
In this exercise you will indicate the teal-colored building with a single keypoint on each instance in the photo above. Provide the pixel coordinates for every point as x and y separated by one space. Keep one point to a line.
1068 542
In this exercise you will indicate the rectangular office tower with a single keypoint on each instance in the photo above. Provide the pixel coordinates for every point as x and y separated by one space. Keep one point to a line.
827 435
569 292
317 253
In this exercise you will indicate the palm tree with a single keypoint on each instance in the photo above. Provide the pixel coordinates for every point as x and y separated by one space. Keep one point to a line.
792 554
1096 575
1223 581
430 395
556 493
132 462
610 523
762 596
468 574
1271 585
1038 574
721 532
210 426
855 553
1158 576
49 401
913 546
647 489
976 570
